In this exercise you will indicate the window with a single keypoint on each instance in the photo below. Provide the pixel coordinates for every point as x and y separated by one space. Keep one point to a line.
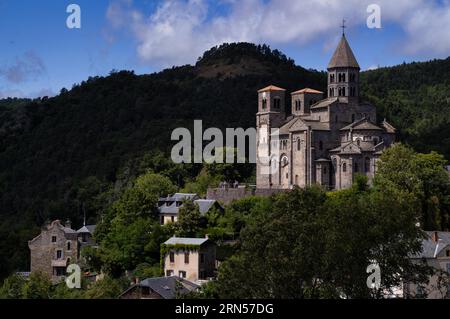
169 273
358 141
375 141
84 237
287 175
186 257
298 105
59 254
367 165
320 145
352 91
53 239
276 103
343 92
172 219
171 257
299 145
353 118
202 275
448 255
182 274
331 78
344 167
352 77
59 271
202 258
68 245
264 104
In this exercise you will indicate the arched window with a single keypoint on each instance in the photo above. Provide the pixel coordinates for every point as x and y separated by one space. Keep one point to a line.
343 91
264 104
344 167
299 144
68 245
320 145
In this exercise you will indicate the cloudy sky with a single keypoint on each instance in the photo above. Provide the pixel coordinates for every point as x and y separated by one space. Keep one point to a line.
39 55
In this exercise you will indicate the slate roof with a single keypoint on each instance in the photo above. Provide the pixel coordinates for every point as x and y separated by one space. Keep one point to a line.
271 88
186 241
324 103
87 229
362 124
205 204
343 57
166 287
302 124
430 248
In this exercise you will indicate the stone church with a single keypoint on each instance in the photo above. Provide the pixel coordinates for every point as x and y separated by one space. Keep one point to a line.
325 140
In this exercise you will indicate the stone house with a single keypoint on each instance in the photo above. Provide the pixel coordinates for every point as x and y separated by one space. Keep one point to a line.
193 259
57 246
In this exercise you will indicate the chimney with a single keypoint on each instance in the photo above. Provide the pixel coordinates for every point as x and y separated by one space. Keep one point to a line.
435 237
68 224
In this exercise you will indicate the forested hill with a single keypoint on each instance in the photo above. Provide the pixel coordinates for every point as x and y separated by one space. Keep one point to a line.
58 154
415 97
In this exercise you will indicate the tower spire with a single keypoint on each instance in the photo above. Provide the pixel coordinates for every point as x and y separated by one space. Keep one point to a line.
343 26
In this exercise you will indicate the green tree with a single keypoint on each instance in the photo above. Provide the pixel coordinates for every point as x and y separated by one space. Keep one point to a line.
189 220
12 287
38 286
421 175
310 244
106 288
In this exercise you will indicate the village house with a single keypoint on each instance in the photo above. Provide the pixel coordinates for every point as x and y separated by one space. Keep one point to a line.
57 246
159 288
435 253
169 207
193 259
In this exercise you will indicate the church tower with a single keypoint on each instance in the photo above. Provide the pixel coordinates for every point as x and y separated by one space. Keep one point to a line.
343 74
271 115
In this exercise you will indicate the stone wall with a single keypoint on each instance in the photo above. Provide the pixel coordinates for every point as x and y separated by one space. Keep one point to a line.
227 195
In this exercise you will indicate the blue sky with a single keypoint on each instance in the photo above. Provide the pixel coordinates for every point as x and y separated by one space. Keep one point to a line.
40 55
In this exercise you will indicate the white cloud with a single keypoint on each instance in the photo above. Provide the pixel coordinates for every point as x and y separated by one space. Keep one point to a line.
180 30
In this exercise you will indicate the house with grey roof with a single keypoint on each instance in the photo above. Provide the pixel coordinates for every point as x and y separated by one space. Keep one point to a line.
159 288
169 207
435 253
193 259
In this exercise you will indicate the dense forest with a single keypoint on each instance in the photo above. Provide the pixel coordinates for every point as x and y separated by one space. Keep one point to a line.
77 151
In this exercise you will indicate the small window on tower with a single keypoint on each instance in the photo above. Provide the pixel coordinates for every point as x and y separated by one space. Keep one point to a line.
264 104
344 167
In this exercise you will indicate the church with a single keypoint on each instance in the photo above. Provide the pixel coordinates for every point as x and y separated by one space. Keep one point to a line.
327 140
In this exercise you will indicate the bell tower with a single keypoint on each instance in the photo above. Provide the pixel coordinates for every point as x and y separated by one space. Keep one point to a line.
343 73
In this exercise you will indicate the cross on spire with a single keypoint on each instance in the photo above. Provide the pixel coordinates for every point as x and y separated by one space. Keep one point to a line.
343 26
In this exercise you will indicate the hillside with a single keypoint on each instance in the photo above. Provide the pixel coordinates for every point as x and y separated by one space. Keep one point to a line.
60 154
